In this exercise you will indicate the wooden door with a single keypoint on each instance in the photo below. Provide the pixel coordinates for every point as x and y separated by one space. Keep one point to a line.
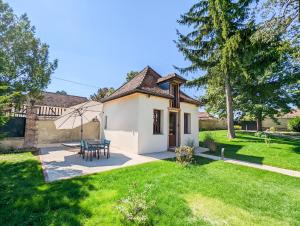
172 129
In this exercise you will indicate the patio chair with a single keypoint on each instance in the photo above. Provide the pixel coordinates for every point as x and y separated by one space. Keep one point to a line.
82 148
89 149
106 146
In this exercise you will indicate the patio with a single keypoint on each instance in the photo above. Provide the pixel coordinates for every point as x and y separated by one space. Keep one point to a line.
60 162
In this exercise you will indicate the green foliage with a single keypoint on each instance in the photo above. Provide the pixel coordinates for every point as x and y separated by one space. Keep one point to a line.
267 140
190 143
237 127
25 68
213 45
136 205
184 155
294 124
272 129
209 141
130 75
102 93
259 134
62 92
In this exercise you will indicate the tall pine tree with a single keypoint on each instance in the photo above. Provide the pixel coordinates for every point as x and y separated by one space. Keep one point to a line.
212 45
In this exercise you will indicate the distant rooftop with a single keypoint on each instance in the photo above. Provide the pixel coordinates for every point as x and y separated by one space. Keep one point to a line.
293 114
204 116
60 100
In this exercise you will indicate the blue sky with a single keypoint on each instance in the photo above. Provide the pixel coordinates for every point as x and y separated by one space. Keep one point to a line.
98 42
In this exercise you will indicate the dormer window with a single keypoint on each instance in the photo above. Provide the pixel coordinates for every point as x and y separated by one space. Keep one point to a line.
173 81
175 103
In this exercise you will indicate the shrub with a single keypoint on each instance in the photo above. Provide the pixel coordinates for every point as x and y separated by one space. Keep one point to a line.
136 205
259 134
190 143
12 150
237 127
272 129
209 142
266 138
294 124
184 155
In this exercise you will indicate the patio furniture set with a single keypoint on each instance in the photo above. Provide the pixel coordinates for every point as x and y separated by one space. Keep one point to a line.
90 149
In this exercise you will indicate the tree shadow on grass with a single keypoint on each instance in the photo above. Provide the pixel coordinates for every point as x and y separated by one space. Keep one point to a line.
231 151
27 200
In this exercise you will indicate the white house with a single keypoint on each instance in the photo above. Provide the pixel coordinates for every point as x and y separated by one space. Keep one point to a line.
150 114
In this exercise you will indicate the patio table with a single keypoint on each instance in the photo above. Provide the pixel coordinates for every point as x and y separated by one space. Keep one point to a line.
98 145
72 144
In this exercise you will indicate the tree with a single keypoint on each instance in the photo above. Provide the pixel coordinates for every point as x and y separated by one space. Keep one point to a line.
213 43
273 75
62 92
102 93
270 86
25 68
130 75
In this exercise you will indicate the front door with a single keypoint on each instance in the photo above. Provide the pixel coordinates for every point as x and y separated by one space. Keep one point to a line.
172 129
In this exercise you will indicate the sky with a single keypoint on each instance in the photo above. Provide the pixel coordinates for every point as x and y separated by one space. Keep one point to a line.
98 42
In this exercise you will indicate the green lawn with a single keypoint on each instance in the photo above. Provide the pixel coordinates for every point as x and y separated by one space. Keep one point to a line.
207 193
282 152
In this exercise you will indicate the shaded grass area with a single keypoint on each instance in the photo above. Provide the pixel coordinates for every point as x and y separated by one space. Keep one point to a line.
282 152
233 194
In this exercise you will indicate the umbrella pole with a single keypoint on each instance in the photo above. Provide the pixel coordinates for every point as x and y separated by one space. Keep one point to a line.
81 131
81 128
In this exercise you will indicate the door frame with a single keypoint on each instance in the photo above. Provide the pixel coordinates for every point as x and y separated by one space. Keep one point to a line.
177 112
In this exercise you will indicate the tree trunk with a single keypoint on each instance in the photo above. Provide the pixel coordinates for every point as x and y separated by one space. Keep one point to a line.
229 109
259 122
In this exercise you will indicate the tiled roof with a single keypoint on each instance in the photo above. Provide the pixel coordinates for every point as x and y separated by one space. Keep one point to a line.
204 115
170 77
146 82
59 100
293 114
185 98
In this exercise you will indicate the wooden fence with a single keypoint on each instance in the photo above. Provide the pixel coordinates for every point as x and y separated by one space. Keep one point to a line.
45 111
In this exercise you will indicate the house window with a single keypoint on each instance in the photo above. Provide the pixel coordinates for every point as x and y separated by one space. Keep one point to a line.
156 122
105 122
187 123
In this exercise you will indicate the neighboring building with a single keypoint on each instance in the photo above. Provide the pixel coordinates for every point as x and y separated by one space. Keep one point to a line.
208 122
41 129
204 116
282 120
150 114
49 105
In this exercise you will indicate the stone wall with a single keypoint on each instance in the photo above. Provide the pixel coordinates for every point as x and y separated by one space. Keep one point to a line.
14 142
47 132
30 138
283 122
212 124
43 131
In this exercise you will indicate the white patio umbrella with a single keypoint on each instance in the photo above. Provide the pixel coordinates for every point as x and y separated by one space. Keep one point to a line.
79 115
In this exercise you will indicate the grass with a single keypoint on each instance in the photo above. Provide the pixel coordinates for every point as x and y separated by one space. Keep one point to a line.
282 152
206 193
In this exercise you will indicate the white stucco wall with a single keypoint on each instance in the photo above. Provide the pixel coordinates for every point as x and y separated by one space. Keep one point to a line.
193 110
130 123
122 123
149 142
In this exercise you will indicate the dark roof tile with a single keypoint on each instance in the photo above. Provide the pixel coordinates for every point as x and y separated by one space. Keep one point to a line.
59 100
147 82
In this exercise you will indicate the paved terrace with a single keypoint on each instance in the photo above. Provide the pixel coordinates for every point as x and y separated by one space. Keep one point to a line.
61 162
